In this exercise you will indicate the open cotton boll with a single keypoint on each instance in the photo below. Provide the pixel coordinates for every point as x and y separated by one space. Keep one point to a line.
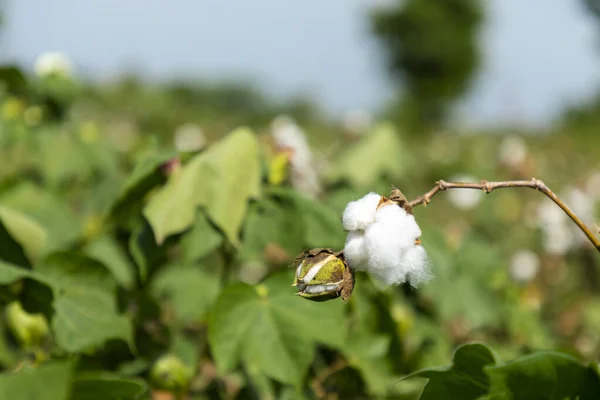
361 213
393 214
416 264
355 251
524 266
53 63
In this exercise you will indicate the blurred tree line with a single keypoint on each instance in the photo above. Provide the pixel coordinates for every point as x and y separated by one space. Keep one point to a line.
432 52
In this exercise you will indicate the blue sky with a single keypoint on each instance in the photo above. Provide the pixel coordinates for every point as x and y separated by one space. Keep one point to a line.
539 54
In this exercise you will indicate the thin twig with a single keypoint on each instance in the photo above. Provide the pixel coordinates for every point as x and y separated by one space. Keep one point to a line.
488 187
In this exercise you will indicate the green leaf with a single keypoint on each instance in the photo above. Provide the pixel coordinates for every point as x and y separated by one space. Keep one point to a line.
381 153
22 238
50 211
222 179
266 221
145 176
464 380
10 273
271 330
144 250
544 376
84 302
462 287
51 381
106 386
106 250
190 290
322 225
201 240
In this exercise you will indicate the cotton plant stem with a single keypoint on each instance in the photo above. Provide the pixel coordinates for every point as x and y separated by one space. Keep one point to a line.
489 187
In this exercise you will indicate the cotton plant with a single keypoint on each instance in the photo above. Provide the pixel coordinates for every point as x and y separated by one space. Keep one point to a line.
53 63
383 239
288 136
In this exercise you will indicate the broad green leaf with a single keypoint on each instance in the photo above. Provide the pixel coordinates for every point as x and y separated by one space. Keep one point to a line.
145 176
106 250
270 329
107 386
202 239
84 302
464 380
190 290
381 153
49 210
60 158
322 225
367 353
462 288
222 179
10 273
27 237
144 250
267 220
50 381
544 376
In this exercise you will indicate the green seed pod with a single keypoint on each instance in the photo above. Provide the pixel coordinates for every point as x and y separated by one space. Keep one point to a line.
170 373
322 274
31 330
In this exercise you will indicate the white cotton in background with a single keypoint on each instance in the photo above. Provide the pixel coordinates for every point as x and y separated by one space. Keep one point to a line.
189 137
355 251
53 63
524 266
464 199
557 236
303 175
592 185
583 205
357 122
513 151
360 213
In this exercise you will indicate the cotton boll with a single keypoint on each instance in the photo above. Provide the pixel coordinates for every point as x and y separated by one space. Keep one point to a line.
592 185
513 151
360 213
288 135
189 137
393 214
416 264
558 240
524 266
53 63
355 250
464 199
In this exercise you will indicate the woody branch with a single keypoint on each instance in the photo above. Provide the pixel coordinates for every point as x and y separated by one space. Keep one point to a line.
489 187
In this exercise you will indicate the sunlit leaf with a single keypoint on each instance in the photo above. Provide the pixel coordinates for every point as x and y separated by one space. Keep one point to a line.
222 179
381 153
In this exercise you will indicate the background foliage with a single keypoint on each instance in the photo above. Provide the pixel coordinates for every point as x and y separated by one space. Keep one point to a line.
130 269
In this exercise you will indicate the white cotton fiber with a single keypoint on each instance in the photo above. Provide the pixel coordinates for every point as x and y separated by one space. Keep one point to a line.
416 265
360 213
384 243
355 251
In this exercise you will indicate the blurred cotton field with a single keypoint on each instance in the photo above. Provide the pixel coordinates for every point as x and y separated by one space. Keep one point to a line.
149 223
